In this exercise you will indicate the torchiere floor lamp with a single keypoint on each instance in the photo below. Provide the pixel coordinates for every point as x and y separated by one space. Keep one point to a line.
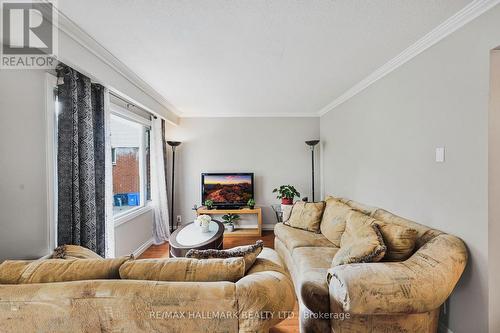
172 144
312 144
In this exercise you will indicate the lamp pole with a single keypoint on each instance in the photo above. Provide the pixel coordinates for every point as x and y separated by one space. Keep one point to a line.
312 144
172 144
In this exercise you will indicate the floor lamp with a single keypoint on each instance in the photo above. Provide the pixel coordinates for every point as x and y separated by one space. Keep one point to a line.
312 144
172 144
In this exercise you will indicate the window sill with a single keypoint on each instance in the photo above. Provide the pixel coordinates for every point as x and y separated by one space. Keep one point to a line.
128 216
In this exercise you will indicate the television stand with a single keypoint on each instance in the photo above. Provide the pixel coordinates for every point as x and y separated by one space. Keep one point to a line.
242 232
228 208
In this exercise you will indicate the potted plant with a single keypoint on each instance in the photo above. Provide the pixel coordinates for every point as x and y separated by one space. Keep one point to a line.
209 204
286 193
229 220
251 203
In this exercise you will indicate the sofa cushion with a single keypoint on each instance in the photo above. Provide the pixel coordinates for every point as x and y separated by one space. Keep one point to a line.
184 269
59 270
306 215
248 252
293 237
333 220
361 241
311 266
268 260
360 207
74 252
400 241
425 233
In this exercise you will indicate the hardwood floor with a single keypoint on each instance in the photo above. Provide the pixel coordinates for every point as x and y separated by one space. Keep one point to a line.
290 325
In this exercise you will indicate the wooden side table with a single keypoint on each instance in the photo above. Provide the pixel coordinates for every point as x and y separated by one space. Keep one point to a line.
243 232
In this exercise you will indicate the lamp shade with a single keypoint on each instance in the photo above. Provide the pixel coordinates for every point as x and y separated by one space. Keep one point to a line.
174 143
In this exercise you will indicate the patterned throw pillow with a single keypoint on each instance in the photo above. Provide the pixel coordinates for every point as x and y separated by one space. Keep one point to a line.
184 269
306 215
361 242
59 270
74 252
248 252
400 241
334 219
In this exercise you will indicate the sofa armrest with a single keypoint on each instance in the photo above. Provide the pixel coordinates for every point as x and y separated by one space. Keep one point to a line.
264 299
419 284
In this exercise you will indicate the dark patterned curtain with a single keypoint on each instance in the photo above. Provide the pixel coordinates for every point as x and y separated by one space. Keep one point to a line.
80 161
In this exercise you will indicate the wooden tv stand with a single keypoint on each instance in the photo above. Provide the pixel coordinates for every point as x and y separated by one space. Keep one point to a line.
243 232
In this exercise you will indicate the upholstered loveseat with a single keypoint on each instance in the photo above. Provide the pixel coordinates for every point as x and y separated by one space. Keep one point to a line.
386 297
260 299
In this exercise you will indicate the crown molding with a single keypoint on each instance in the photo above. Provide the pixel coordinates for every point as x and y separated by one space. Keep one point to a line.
249 115
66 25
452 24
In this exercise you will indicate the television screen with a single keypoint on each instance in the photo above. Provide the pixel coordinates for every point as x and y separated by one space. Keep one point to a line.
227 189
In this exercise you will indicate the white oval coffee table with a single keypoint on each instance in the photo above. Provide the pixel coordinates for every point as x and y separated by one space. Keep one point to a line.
189 237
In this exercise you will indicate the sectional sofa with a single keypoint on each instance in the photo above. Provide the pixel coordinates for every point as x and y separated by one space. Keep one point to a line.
387 296
253 303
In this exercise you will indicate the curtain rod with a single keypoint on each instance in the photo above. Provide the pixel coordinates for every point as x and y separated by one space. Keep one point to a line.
129 103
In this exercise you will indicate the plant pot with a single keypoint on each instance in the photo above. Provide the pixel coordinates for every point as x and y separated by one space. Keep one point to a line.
210 208
205 228
230 228
251 207
287 201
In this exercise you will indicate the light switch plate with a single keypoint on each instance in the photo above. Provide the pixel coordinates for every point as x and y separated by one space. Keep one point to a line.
440 154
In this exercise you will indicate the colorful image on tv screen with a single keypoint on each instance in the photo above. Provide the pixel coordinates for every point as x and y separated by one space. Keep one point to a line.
228 189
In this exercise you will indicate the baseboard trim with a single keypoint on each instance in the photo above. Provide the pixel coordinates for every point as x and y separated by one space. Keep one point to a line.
268 226
140 250
443 329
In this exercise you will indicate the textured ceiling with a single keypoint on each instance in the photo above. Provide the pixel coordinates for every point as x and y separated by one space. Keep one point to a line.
256 57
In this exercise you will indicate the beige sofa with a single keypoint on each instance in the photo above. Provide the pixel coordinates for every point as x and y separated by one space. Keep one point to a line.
254 303
371 297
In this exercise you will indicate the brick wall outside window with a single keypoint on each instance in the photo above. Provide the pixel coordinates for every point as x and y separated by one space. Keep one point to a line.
126 171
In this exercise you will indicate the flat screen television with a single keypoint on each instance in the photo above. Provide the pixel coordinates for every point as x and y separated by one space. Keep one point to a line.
227 190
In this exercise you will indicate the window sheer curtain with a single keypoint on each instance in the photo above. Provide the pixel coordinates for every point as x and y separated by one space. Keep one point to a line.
81 161
161 230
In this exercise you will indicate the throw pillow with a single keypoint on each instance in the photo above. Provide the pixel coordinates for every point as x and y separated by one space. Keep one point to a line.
74 252
248 252
306 215
334 219
184 269
400 241
59 270
361 242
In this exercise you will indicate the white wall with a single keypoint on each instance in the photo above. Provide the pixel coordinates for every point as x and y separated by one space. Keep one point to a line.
134 234
23 205
272 148
494 193
379 149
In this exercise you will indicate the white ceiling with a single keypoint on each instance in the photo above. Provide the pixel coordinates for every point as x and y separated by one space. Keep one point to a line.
256 57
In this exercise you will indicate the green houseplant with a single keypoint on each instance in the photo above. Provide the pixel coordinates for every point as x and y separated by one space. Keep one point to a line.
286 193
209 204
251 203
229 220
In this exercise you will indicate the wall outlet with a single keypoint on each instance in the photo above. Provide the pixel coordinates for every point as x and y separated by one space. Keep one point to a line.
440 154
179 218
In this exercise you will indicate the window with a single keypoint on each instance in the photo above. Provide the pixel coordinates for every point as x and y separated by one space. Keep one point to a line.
113 156
130 160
